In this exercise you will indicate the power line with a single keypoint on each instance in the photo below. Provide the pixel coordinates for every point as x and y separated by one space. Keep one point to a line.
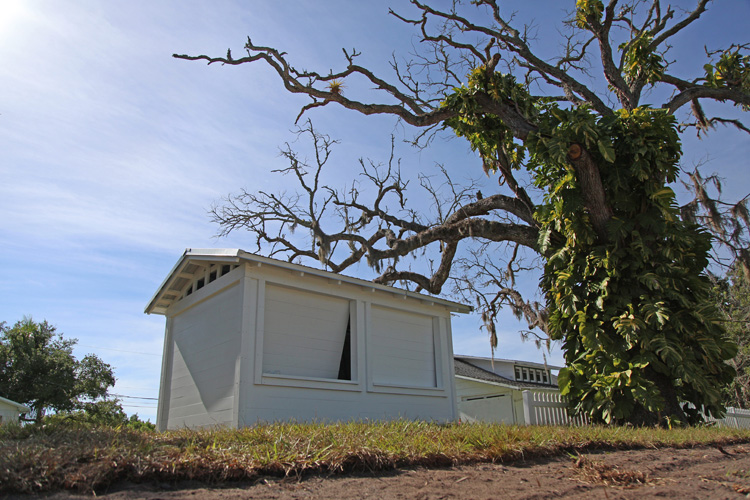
119 350
133 397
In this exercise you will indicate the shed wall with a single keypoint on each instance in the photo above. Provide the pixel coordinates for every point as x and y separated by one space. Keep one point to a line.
283 403
274 394
206 344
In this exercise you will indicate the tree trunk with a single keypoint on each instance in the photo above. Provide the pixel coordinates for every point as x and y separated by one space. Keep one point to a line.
672 409
592 189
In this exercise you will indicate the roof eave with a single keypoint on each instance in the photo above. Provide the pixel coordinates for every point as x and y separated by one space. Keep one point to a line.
231 255
236 255
510 385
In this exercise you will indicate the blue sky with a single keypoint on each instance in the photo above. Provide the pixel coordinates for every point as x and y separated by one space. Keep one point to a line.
111 151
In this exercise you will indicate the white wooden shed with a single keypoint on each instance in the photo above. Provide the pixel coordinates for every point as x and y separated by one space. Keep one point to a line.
252 339
10 411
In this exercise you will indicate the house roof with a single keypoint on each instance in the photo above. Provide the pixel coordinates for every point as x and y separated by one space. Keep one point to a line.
467 370
528 364
21 408
193 260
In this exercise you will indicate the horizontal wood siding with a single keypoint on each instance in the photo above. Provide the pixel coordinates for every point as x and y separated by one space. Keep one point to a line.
469 389
403 348
303 332
270 404
207 341
8 415
478 402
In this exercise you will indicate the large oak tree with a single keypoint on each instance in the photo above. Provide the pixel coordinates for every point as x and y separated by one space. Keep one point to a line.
624 266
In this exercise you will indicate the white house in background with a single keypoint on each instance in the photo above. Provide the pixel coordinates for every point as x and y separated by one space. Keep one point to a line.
10 411
492 390
253 339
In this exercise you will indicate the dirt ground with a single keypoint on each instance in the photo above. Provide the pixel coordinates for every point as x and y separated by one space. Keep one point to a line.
705 473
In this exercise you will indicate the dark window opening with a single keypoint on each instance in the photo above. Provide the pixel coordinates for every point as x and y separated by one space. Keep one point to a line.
189 291
345 366
212 277
225 269
199 284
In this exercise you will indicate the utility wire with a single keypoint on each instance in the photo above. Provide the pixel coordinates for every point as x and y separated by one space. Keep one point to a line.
133 397
119 350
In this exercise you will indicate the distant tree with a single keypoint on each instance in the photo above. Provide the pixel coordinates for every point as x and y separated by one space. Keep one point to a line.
586 146
38 369
732 293
103 412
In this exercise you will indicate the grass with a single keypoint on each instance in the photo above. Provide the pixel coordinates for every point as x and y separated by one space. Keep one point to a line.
89 459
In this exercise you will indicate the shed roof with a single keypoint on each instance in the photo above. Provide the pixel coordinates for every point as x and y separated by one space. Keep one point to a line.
193 259
21 408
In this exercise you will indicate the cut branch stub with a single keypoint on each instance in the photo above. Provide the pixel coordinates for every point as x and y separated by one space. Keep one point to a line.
592 188
574 152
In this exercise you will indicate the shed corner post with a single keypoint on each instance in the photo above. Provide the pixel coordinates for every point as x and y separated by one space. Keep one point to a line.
244 364
165 385
450 370
528 409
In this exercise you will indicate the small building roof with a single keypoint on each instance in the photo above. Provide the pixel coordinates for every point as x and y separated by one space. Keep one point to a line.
528 364
21 408
193 260
467 370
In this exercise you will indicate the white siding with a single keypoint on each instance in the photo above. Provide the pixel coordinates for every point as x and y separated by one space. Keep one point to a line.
207 341
8 415
277 403
303 332
403 348
485 402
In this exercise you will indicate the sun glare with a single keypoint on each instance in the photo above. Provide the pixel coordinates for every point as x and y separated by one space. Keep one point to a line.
11 12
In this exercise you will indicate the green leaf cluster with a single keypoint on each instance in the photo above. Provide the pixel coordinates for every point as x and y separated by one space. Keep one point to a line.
641 61
731 70
586 9
633 312
487 133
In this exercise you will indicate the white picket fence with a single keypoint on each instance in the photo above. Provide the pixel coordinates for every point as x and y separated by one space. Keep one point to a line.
736 418
550 408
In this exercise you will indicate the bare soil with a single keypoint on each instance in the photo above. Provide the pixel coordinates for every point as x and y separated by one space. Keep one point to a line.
702 473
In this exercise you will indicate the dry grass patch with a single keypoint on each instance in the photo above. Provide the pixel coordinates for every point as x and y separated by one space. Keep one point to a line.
597 472
87 459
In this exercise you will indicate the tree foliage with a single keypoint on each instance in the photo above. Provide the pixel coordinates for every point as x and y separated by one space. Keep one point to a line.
624 267
732 294
104 413
634 297
38 369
